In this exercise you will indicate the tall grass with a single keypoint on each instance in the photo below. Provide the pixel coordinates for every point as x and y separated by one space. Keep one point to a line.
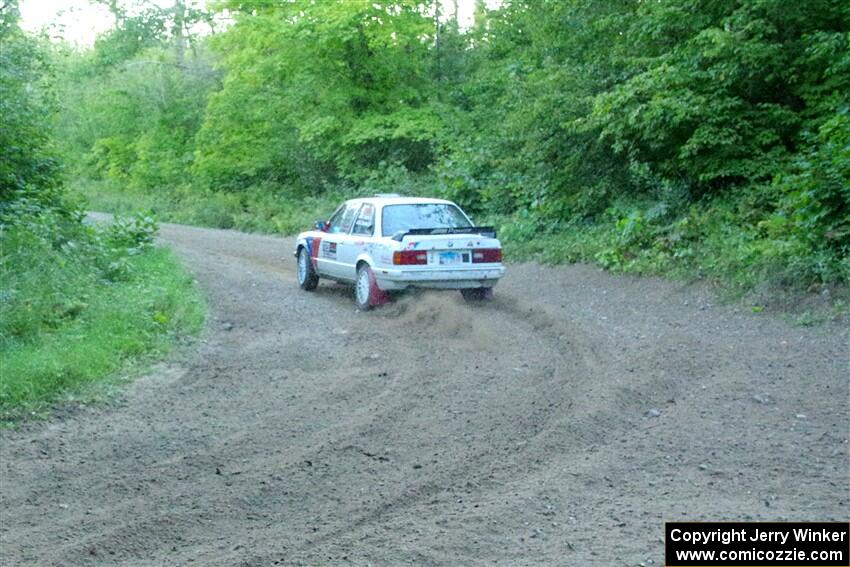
79 303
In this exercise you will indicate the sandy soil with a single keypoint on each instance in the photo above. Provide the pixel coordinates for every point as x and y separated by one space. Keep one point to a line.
560 424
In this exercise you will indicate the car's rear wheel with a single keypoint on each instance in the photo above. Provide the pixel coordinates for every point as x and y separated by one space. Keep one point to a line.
477 293
308 279
367 294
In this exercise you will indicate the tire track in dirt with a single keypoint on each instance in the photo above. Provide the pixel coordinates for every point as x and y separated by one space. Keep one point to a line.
434 432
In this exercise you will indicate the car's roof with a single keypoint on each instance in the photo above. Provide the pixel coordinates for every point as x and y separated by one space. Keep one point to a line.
398 200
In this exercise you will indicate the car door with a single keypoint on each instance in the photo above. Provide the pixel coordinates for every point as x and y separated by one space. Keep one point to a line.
353 244
338 227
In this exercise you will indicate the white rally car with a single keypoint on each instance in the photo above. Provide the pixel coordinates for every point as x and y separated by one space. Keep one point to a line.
387 243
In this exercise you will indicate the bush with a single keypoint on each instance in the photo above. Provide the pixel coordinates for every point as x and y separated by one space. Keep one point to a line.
79 300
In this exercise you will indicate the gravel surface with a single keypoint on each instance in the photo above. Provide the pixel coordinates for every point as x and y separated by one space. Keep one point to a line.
560 424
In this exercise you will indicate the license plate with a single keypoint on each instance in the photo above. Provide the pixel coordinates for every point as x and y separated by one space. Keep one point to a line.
449 258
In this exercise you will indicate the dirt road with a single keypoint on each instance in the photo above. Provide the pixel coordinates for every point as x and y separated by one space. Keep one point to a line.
560 424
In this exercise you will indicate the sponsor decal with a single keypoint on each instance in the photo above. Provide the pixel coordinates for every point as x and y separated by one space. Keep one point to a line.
328 249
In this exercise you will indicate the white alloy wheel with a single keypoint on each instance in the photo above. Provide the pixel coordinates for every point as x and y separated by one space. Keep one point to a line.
363 289
307 277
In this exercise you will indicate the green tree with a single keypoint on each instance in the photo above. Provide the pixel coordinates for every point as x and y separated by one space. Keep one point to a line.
28 166
318 92
132 106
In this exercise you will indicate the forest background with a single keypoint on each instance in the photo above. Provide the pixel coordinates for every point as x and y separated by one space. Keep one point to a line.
703 139
696 137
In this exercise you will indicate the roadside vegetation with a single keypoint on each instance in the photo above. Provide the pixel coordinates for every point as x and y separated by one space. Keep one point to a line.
77 302
689 138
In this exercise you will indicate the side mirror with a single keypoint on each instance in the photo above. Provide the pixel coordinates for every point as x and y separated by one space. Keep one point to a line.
321 225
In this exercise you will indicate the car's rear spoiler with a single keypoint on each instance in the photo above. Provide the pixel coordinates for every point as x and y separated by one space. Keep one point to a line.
485 231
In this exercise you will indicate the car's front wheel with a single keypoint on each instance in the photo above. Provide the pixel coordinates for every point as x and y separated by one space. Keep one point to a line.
308 279
367 294
477 293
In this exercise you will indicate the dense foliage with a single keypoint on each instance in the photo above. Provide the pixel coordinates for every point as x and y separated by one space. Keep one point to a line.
76 301
27 164
687 135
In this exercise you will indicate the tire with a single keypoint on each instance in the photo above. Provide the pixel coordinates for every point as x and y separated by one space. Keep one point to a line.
367 294
477 294
308 279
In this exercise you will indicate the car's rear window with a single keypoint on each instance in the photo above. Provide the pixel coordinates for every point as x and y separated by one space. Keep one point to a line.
401 218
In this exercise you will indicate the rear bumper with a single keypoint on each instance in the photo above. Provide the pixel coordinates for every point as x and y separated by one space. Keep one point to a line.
457 278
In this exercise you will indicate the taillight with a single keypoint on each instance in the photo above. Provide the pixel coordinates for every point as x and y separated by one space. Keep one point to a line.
408 257
486 255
